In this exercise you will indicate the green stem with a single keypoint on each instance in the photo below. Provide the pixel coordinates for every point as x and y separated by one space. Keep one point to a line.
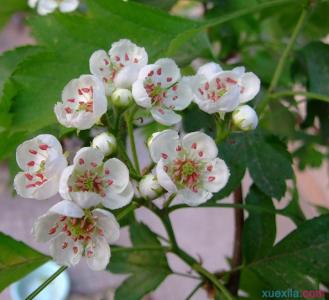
46 283
283 59
308 95
132 206
186 275
168 202
130 128
132 249
194 291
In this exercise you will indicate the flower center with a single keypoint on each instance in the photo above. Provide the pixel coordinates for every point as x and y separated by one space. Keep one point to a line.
89 182
155 92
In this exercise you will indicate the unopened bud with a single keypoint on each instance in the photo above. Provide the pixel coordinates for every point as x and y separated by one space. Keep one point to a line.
149 187
245 118
105 142
122 97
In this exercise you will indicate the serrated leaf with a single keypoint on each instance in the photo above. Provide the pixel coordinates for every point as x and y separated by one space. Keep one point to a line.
259 230
146 263
17 260
299 257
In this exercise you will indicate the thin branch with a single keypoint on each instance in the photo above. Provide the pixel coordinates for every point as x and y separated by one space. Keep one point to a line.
186 275
234 279
309 95
194 291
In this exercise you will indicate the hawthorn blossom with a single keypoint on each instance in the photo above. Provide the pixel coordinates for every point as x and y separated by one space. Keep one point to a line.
42 162
45 7
74 233
245 118
106 142
188 166
149 187
119 68
216 90
83 103
160 89
89 181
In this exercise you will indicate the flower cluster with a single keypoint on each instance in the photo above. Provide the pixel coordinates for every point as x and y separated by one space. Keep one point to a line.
94 183
45 7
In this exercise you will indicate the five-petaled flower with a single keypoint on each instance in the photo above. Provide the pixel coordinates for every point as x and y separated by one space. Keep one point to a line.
216 90
74 232
83 103
119 68
89 181
44 7
42 162
160 89
188 166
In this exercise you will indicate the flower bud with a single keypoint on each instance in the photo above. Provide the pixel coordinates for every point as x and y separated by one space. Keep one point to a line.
122 97
245 118
149 187
106 142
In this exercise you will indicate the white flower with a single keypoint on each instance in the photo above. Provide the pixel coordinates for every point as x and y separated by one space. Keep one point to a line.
74 233
106 142
42 162
83 103
89 181
45 7
245 118
119 68
149 187
216 90
160 89
122 97
188 166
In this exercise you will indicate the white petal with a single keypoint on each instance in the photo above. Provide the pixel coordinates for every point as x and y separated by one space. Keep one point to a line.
66 256
165 116
64 183
68 5
40 191
193 198
108 223
216 176
201 144
67 208
239 70
209 69
116 172
114 200
163 178
42 225
100 256
86 199
179 96
99 64
245 118
169 69
163 145
250 86
129 53
87 158
126 76
32 3
46 6
140 95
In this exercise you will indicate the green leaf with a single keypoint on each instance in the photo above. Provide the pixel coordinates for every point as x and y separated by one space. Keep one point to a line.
163 4
8 8
145 261
17 260
259 230
300 256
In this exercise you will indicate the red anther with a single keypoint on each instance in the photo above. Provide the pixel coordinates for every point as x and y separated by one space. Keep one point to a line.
159 71
75 249
90 253
200 91
175 97
68 110
74 221
174 88
194 189
101 231
31 163
80 92
200 153
28 176
105 79
194 146
64 246
150 73
64 228
110 182
178 148
206 86
52 230
230 80
164 155
62 218
81 161
85 90
30 185
107 172
117 58
68 233
81 237
165 168
106 61
211 178
93 164
90 228
135 60
169 79
161 111
126 57
33 151
209 168
72 100
39 175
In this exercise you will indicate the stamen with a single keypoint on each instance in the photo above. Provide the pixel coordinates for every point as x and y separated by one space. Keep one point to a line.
164 155
64 246
31 163
194 146
75 249
159 71
28 176
211 178
33 151
81 161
